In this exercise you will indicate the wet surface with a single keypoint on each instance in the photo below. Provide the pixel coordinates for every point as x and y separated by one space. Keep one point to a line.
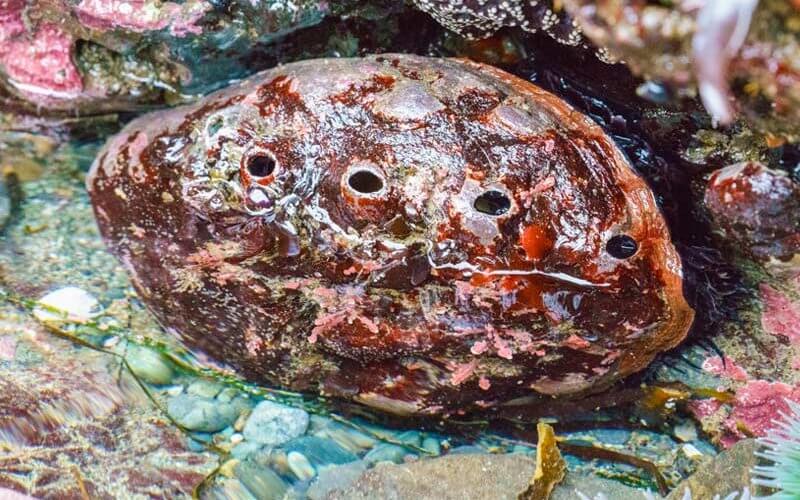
74 421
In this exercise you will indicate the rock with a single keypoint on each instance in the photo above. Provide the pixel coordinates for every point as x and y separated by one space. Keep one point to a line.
350 439
686 431
320 451
466 477
757 209
386 453
261 481
300 466
273 424
334 478
728 472
149 365
204 414
122 55
206 389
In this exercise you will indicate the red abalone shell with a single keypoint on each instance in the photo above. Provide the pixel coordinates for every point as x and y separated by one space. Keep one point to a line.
419 235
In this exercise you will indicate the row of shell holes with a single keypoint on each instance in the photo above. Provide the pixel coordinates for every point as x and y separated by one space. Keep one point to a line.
492 202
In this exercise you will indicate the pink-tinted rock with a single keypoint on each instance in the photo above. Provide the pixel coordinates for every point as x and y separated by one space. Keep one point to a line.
86 56
781 314
413 234
726 368
757 209
753 412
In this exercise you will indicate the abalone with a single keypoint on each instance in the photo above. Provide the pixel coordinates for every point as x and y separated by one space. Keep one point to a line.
423 236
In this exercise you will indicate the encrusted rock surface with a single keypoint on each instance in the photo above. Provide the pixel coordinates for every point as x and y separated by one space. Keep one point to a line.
757 209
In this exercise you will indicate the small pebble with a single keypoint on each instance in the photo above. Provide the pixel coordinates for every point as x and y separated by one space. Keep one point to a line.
237 438
385 453
261 481
69 303
691 451
203 414
686 431
300 466
204 388
149 365
274 424
321 451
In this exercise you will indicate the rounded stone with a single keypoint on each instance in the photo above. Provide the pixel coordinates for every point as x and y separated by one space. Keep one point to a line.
385 453
273 424
300 466
149 365
204 414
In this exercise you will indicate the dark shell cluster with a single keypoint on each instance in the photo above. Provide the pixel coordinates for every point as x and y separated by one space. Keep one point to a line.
423 236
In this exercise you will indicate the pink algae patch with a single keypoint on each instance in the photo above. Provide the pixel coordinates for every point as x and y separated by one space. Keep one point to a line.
479 347
759 403
484 383
576 342
39 64
704 408
781 316
728 369
463 372
142 15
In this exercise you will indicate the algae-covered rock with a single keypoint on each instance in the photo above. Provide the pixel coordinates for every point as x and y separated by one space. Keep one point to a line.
729 472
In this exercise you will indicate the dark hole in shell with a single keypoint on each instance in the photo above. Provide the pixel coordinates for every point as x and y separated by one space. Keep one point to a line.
261 165
492 203
622 246
365 182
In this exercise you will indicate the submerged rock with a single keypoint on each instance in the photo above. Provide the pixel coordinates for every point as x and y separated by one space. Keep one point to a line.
94 56
757 208
461 477
417 235
728 473
273 424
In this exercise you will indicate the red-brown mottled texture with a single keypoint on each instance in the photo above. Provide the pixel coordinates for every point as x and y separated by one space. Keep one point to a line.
68 416
398 290
756 208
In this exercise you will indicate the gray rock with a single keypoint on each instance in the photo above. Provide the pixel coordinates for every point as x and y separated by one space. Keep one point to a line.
273 424
300 466
335 477
468 477
203 414
262 482
320 451
204 388
149 365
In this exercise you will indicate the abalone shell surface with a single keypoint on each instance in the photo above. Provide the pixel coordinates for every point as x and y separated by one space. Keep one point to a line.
419 235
